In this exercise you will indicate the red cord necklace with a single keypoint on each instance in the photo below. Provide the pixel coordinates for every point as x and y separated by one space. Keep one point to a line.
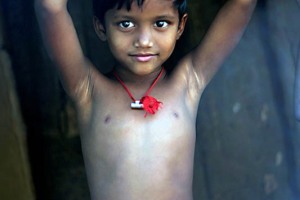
148 103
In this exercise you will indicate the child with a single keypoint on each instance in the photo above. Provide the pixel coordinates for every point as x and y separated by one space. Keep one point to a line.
138 126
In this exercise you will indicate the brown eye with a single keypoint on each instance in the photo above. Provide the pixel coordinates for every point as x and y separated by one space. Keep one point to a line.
126 24
161 24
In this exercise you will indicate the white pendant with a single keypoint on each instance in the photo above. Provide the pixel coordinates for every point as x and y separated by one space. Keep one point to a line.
137 105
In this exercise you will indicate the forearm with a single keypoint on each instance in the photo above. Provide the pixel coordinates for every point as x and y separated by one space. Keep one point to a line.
61 41
56 26
50 6
244 5
223 35
248 3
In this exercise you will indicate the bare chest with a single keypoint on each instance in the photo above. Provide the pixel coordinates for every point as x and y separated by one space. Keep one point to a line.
125 150
120 126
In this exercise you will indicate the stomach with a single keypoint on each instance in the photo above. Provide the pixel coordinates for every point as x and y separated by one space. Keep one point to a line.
140 159
152 176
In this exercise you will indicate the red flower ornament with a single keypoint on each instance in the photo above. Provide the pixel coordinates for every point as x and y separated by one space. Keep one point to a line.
150 105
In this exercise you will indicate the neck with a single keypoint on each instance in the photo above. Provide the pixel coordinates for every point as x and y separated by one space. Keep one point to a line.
136 79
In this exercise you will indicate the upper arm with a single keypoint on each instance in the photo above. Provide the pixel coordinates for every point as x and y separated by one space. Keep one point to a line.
62 43
222 36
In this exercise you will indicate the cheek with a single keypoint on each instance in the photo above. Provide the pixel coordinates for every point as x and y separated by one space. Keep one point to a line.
167 44
118 45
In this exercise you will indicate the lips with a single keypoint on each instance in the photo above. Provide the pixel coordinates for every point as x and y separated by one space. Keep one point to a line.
143 57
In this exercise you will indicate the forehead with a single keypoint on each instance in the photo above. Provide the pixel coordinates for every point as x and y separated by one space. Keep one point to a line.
149 7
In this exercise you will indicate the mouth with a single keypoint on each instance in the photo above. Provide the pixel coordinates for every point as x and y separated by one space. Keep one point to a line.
143 57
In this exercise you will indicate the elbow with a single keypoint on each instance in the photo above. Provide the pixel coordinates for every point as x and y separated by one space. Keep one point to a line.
49 7
246 3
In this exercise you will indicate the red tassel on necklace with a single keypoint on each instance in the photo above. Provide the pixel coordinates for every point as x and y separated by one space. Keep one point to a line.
148 103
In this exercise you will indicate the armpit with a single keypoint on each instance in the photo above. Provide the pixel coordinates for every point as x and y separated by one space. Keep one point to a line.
195 85
83 93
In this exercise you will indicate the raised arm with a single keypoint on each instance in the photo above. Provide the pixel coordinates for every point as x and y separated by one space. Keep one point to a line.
62 42
221 38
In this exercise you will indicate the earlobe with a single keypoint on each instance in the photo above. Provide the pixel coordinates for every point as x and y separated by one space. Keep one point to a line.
181 25
100 29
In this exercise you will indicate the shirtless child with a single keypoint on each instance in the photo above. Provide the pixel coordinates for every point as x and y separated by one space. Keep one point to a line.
145 152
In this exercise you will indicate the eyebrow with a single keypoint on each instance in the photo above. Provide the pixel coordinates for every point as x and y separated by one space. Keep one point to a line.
130 17
171 17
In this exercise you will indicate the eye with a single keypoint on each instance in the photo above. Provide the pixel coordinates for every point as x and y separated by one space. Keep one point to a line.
126 24
161 24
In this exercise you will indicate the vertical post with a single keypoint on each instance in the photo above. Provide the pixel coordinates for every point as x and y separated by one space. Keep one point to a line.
15 179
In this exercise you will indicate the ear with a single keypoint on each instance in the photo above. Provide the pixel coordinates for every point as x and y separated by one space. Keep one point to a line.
181 26
99 28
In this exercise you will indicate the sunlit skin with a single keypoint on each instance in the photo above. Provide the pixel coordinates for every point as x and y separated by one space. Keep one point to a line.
129 156
141 40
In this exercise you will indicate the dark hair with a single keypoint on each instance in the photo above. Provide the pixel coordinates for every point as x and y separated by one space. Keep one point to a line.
100 7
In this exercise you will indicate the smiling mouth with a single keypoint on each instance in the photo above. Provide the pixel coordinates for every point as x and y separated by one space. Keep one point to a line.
143 57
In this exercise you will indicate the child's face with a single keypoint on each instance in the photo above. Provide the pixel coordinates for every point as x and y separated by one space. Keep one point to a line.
143 38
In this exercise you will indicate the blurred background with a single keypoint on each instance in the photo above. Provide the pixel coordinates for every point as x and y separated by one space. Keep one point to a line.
248 141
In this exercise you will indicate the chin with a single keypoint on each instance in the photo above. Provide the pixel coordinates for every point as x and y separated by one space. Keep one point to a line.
141 68
150 71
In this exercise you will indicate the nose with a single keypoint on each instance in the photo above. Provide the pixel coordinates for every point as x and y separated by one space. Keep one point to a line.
143 39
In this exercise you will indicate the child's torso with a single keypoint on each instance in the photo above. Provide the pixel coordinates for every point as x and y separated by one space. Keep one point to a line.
129 156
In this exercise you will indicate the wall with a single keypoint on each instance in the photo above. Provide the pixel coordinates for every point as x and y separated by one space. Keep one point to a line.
248 138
